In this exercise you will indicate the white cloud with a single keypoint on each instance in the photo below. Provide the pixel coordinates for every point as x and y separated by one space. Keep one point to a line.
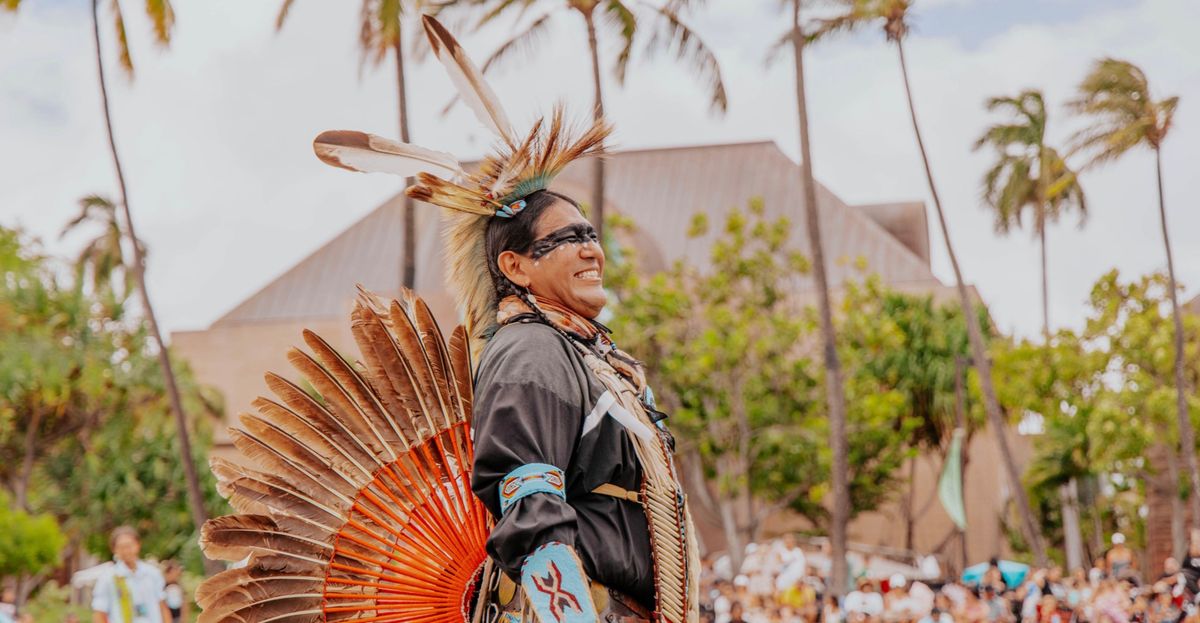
215 133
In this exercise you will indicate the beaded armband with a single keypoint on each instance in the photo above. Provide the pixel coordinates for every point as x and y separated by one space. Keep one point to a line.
553 581
529 479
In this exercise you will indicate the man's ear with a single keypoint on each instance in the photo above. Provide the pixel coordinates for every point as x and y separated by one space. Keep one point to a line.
511 266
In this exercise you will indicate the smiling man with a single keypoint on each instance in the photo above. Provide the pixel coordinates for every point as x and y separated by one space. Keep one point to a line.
557 440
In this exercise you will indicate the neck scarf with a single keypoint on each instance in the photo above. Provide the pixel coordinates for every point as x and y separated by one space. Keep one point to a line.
575 327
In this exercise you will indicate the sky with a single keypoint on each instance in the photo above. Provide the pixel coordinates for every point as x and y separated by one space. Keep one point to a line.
215 132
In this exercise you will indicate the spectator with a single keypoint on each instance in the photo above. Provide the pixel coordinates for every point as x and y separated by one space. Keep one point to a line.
735 613
898 604
173 592
831 612
8 605
937 616
132 592
1119 558
865 600
1162 607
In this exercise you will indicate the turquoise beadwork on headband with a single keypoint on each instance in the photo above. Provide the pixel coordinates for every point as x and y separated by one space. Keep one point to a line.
511 209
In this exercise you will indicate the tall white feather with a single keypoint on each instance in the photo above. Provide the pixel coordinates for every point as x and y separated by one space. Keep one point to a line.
469 81
367 153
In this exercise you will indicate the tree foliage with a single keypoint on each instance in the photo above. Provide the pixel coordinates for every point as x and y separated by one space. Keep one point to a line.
28 543
732 350
1103 395
85 427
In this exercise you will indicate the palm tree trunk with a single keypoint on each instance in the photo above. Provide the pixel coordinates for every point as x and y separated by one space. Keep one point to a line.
408 263
1187 434
978 353
195 496
598 114
834 393
1045 279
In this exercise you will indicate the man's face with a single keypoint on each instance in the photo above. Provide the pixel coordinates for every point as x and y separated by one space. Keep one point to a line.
126 549
566 264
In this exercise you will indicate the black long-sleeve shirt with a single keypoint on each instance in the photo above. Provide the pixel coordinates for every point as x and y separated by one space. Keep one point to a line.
533 394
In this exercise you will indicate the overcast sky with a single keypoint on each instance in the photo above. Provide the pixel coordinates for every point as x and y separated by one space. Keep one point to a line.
215 132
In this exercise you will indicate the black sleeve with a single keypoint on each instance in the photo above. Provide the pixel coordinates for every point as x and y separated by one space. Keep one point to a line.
528 409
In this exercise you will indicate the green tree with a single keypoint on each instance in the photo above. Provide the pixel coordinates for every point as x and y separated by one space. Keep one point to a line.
732 348
1115 99
1063 382
623 20
380 33
925 363
28 543
1028 176
1131 319
893 16
54 365
86 432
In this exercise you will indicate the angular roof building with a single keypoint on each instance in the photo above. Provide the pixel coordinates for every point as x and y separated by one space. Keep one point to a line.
658 190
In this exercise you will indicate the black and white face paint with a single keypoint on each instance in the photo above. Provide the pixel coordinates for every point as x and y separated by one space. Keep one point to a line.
570 236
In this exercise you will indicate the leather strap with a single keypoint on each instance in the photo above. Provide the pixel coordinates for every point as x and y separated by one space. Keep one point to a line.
615 491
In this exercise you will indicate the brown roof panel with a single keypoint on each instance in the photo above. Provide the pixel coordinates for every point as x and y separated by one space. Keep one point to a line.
658 189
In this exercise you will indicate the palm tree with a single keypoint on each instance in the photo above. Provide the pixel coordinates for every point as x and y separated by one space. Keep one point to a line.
893 15
620 18
1115 97
162 18
381 32
1028 176
835 393
101 263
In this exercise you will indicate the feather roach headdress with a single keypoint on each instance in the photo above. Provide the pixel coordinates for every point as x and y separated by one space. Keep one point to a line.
518 166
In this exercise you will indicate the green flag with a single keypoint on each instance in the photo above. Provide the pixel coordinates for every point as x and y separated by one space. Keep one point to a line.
950 486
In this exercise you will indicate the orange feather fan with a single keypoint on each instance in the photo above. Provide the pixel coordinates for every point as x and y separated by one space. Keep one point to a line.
359 509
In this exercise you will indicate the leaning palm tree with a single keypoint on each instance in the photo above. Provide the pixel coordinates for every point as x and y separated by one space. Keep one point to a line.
162 17
618 17
893 15
162 20
381 32
1115 97
835 394
1029 177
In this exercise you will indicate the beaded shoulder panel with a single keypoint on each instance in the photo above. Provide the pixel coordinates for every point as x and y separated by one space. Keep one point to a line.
672 535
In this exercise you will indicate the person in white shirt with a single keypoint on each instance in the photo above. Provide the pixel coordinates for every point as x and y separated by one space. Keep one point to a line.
132 591
864 600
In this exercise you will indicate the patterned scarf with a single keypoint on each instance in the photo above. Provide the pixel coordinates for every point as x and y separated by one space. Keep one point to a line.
587 332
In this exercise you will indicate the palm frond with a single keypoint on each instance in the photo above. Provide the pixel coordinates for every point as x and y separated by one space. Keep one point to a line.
777 48
162 17
522 43
122 38
1004 135
841 24
500 8
1115 94
1166 115
688 46
625 23
284 9
11 5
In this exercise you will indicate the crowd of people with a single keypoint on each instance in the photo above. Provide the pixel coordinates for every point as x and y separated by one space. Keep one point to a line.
778 583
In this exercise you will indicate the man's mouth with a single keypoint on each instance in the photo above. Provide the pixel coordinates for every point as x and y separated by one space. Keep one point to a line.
588 274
